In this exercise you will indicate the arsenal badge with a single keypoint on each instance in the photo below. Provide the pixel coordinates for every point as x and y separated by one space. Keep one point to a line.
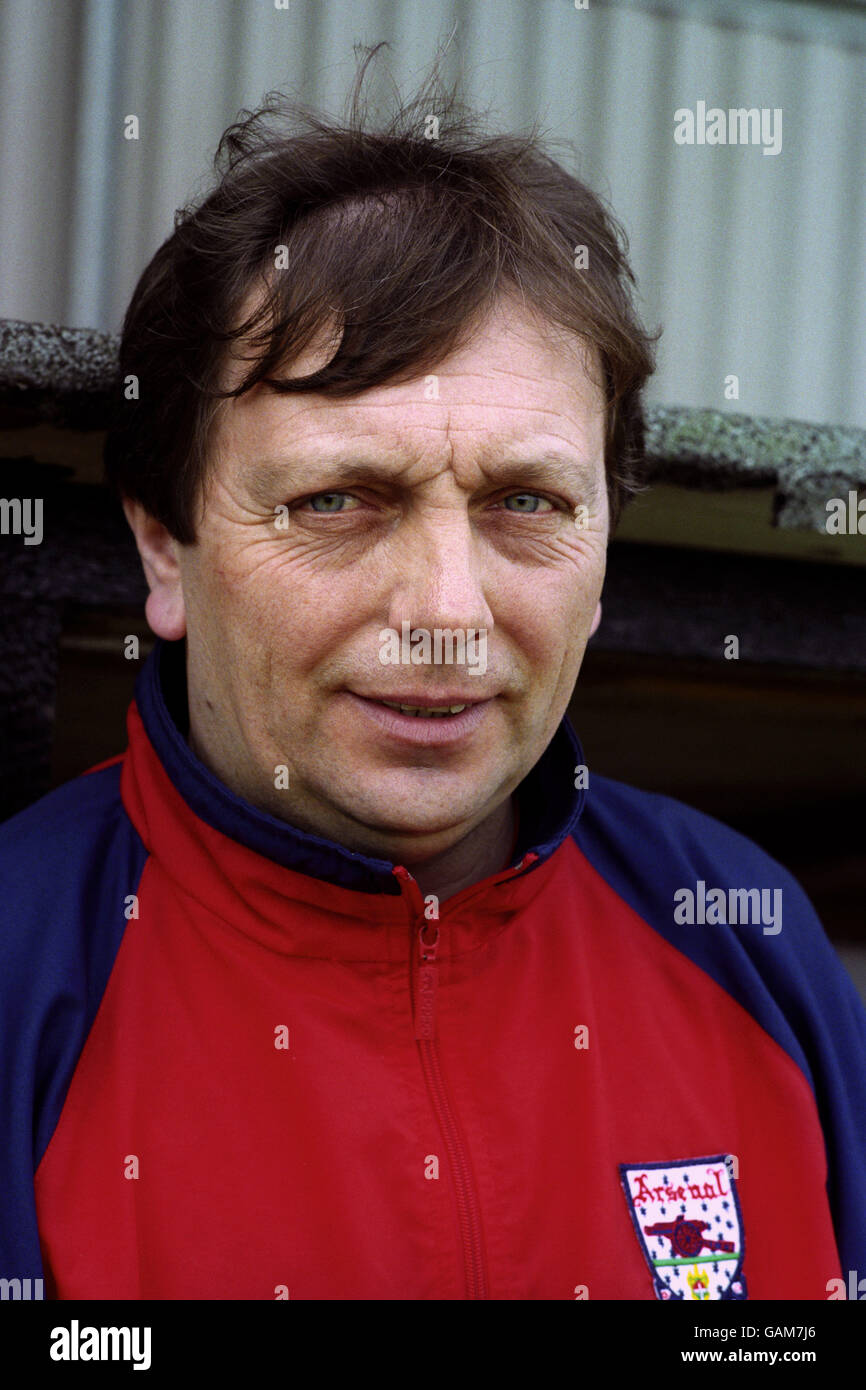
688 1221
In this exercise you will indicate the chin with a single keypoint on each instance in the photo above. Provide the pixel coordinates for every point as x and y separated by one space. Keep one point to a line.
406 810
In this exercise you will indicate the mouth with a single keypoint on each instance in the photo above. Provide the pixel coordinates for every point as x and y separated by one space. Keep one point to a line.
432 720
425 711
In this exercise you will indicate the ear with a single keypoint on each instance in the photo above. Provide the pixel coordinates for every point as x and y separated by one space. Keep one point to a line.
164 610
595 620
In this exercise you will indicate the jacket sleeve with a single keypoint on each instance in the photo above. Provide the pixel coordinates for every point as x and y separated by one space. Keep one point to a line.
791 980
67 865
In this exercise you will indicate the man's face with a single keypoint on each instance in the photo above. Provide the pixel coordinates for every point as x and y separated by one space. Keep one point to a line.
472 500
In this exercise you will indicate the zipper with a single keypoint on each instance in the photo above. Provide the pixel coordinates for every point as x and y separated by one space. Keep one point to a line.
425 946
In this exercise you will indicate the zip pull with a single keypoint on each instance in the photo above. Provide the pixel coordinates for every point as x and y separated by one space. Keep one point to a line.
428 979
428 942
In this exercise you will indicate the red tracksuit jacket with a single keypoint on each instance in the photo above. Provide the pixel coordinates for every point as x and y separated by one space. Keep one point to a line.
239 1061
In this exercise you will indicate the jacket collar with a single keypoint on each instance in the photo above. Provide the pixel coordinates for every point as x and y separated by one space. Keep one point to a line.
192 821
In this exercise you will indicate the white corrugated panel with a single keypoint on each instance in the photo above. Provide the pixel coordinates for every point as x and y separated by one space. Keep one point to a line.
754 264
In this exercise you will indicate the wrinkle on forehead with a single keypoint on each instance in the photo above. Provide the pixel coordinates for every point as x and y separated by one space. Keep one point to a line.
432 427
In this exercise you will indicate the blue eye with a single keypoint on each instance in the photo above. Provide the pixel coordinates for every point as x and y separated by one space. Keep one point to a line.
332 502
528 502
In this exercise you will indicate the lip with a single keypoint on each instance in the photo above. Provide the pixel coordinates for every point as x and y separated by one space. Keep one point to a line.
422 698
425 733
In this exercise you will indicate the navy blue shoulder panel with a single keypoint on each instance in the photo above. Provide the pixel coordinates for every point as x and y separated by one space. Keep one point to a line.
775 960
67 864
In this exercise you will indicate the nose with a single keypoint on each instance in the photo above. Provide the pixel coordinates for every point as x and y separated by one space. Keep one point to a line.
440 575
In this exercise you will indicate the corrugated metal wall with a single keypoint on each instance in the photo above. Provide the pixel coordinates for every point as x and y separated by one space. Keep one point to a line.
755 265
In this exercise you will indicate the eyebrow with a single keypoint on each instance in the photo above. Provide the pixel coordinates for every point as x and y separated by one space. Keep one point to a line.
546 465
266 477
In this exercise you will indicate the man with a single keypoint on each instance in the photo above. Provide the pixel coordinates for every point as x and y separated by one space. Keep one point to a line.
347 979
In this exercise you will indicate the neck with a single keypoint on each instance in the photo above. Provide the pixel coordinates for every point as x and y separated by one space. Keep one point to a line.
482 852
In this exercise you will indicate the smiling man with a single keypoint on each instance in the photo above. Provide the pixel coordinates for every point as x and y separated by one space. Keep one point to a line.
327 522
348 980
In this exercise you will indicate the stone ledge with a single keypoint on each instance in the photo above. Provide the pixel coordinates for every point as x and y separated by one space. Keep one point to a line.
60 375
63 376
717 451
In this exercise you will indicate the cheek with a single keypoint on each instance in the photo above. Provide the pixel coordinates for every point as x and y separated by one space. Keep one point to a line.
264 609
553 611
243 586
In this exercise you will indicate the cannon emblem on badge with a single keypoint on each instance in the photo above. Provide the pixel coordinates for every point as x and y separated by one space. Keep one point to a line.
686 1237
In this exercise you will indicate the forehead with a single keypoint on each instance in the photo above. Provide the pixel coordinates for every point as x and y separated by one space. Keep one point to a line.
517 380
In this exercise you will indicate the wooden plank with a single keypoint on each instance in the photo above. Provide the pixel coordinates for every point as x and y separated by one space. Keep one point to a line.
738 521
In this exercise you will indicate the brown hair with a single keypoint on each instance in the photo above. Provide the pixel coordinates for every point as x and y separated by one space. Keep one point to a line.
402 239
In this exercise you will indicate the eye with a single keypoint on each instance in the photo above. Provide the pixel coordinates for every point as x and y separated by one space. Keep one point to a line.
327 503
529 503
